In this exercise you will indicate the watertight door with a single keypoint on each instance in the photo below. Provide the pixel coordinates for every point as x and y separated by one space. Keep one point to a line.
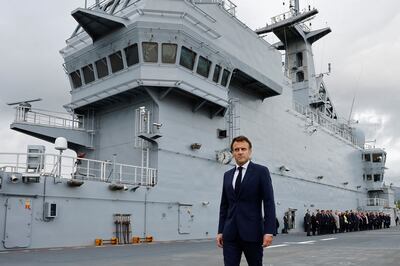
18 229
185 219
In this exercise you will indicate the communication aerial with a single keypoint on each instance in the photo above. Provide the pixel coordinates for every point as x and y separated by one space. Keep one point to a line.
25 103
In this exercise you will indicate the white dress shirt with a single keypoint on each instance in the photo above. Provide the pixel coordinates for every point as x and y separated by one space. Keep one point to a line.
237 173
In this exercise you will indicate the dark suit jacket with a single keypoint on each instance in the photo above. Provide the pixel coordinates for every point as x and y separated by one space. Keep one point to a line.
241 214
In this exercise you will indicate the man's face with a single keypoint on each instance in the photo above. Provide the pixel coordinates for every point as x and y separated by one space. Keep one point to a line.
241 152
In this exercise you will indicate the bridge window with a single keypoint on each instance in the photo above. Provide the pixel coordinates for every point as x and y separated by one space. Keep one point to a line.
102 69
187 58
367 157
76 79
225 76
132 55
377 178
88 73
116 62
169 53
377 157
203 67
150 52
369 177
300 76
217 72
299 59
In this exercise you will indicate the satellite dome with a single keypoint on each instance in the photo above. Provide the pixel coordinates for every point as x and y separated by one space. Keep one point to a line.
61 144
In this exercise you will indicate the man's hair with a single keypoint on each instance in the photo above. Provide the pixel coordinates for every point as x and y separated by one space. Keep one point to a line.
239 139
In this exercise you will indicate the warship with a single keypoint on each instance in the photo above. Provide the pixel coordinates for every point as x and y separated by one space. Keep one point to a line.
158 90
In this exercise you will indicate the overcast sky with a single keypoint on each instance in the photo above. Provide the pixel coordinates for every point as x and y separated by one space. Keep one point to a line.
363 48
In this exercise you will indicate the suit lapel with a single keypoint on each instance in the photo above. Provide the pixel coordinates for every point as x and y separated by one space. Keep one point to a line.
230 180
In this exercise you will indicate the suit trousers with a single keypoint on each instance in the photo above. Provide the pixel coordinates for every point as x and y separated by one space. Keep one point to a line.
253 251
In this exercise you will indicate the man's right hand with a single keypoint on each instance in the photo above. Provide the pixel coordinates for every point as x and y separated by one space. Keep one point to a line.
220 241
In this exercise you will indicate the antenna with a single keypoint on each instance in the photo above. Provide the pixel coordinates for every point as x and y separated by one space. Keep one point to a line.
25 103
351 109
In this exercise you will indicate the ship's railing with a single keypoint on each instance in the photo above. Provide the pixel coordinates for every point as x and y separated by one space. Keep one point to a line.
27 115
368 146
99 4
287 15
371 185
377 202
305 27
330 124
228 5
282 17
77 168
111 7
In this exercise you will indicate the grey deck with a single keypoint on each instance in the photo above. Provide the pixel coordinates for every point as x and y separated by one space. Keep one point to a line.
381 247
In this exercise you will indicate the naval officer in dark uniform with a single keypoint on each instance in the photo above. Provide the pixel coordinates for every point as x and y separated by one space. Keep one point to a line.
242 228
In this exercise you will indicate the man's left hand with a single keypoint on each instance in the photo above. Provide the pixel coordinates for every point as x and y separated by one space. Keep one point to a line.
267 241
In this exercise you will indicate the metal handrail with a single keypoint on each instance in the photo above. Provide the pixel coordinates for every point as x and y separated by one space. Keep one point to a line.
377 202
27 115
77 168
103 3
227 5
282 17
330 124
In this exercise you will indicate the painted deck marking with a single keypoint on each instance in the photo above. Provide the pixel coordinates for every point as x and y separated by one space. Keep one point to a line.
277 246
327 239
307 242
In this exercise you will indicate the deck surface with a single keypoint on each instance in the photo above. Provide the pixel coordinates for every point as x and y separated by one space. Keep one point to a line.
379 247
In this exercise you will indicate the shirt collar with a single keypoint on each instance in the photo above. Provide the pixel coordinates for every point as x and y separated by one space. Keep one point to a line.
243 166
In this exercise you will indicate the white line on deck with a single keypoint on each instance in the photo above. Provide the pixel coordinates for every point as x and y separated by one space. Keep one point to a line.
4 252
55 249
301 243
327 239
277 246
307 242
78 247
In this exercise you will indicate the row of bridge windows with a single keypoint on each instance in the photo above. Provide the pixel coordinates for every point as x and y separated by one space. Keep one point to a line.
376 157
375 177
115 62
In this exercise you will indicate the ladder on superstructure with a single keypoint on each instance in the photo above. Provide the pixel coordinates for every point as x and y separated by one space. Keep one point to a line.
233 119
142 126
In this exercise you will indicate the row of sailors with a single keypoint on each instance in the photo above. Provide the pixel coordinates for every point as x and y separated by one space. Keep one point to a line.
329 222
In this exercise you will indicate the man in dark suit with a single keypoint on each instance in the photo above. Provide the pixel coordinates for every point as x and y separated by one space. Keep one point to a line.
242 229
307 223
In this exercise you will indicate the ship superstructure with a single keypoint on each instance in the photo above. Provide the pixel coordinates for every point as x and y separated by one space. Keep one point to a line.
158 90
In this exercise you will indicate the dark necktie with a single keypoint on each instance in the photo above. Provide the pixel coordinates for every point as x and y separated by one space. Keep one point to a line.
238 180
